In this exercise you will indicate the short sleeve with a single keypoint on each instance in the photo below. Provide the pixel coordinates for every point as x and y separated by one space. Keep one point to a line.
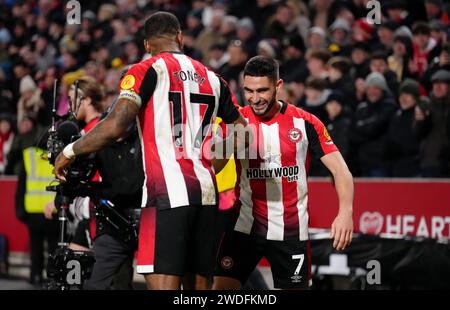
228 110
138 84
320 142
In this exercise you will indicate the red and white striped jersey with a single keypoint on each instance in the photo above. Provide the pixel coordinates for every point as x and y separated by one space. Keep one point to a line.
179 99
272 189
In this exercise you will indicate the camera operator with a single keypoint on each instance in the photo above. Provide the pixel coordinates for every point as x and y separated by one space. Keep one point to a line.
122 180
87 109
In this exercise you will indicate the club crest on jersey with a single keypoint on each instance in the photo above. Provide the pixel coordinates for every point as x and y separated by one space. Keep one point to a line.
295 135
128 82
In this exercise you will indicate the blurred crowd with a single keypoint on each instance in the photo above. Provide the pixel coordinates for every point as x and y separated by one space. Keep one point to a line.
381 89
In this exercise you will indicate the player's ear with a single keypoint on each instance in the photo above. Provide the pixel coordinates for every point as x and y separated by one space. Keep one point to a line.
147 46
279 85
179 39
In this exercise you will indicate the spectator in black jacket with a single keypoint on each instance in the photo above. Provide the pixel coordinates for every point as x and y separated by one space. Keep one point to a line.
402 145
379 63
432 127
338 124
293 69
339 79
372 118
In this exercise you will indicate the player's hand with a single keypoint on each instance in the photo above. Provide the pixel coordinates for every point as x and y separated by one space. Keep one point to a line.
49 210
61 163
342 230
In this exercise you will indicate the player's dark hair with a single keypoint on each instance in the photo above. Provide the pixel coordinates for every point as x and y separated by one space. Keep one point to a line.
260 66
161 24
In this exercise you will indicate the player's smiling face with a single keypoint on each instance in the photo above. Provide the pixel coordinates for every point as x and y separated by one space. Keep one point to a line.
261 93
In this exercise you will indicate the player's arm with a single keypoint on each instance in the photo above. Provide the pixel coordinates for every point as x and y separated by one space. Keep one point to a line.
235 141
323 147
137 87
104 133
342 227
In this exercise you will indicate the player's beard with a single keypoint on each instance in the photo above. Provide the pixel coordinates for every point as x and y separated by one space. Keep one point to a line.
270 104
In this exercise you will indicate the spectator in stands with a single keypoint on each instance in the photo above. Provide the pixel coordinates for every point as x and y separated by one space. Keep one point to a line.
379 63
340 80
386 35
316 38
6 139
317 62
232 71
340 37
30 102
402 146
372 118
401 56
281 24
441 63
433 128
317 94
209 37
338 124
245 32
218 57
293 69
360 64
425 48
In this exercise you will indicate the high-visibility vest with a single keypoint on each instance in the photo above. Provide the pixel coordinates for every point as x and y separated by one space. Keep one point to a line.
39 175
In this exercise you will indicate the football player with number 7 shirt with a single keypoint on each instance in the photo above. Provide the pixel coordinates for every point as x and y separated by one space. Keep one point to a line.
271 190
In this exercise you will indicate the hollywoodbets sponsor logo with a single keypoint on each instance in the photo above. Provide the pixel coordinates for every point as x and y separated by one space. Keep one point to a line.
289 172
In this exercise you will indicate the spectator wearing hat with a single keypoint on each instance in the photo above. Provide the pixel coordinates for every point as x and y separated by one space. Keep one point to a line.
340 32
316 38
245 31
401 55
228 28
433 128
340 80
438 31
402 145
6 139
232 72
440 63
30 102
293 68
371 121
379 63
362 31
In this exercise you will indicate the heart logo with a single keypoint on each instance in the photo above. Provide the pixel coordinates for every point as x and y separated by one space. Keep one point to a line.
371 223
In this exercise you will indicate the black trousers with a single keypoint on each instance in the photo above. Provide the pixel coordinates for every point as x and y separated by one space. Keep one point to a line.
113 267
40 230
